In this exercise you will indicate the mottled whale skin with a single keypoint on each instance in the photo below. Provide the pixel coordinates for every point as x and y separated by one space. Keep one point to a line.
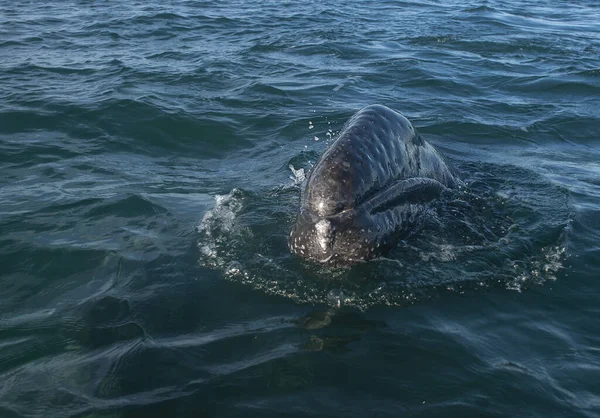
369 189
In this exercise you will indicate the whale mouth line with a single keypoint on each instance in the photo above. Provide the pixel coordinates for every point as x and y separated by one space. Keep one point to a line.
415 190
326 259
401 191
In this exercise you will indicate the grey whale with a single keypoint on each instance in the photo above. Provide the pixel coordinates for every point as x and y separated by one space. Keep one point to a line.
368 189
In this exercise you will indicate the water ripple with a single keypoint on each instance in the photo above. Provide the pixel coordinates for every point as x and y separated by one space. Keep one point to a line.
146 196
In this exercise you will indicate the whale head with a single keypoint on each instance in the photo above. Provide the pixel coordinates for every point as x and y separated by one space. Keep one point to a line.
367 189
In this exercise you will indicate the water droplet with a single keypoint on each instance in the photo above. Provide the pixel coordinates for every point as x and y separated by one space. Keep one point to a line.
335 298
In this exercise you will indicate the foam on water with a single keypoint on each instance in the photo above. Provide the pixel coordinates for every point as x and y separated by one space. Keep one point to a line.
218 227
298 176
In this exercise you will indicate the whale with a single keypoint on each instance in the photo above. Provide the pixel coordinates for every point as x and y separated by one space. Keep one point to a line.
369 189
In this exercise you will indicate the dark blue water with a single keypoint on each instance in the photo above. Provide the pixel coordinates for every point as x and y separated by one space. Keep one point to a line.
151 159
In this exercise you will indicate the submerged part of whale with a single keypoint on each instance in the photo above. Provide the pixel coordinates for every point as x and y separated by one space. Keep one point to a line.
368 189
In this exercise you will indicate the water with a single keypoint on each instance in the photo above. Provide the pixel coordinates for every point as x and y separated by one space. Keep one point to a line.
151 159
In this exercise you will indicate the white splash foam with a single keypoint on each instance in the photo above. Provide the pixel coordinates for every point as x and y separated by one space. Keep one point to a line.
223 213
538 270
219 225
297 175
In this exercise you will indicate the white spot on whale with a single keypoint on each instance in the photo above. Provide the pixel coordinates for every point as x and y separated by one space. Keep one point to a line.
323 228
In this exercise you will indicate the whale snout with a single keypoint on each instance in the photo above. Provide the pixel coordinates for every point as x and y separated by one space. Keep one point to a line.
335 239
312 237
324 234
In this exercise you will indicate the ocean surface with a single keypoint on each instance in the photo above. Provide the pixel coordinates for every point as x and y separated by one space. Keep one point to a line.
151 160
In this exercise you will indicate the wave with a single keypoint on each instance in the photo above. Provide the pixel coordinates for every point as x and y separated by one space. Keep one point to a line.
148 128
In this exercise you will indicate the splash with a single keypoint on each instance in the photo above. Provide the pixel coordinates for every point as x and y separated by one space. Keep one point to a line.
218 226
504 229
298 176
